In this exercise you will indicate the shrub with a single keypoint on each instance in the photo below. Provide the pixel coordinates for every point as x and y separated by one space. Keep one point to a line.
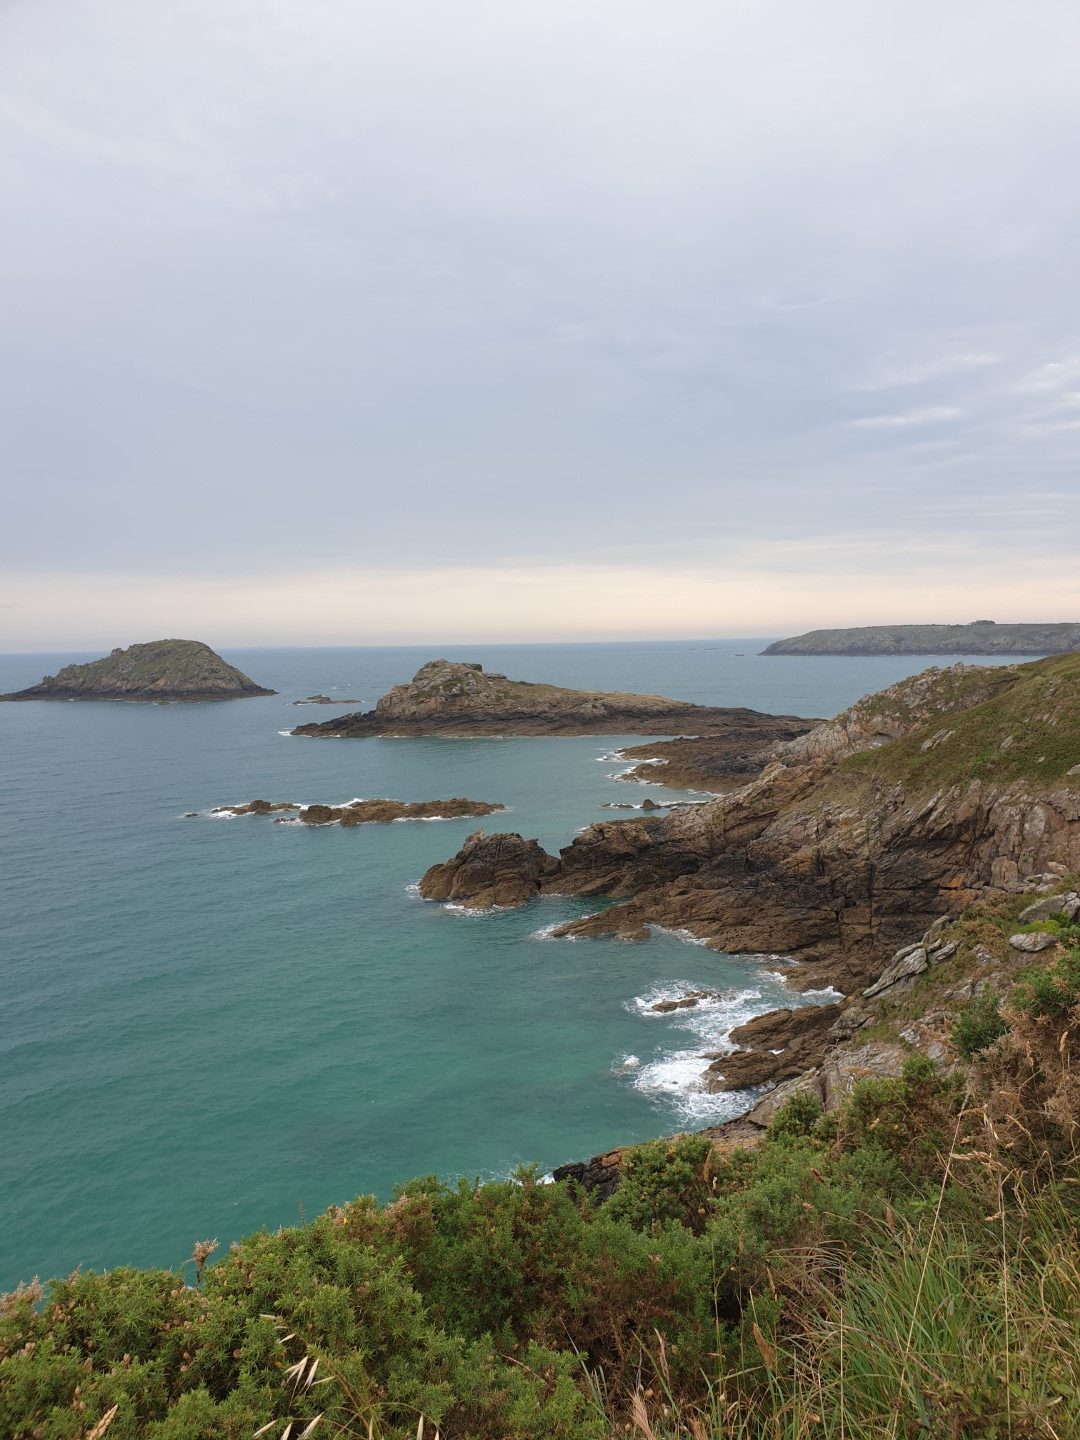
978 1026
1050 992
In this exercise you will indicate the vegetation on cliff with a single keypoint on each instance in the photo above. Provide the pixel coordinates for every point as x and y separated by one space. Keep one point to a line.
1017 723
904 1267
154 670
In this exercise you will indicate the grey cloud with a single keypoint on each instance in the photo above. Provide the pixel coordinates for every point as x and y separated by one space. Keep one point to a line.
336 285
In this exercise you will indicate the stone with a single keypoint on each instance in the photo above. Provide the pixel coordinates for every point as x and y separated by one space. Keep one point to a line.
906 965
489 871
1032 942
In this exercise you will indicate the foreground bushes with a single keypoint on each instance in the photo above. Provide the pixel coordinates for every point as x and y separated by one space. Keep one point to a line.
906 1267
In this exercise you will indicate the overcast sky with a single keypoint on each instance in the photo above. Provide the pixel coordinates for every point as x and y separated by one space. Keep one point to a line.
327 321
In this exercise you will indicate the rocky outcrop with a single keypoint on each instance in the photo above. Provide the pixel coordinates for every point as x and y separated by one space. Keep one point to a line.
982 637
719 761
774 1046
855 836
489 871
156 670
367 812
449 698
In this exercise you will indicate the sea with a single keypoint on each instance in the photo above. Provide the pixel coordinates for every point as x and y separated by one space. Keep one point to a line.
212 1025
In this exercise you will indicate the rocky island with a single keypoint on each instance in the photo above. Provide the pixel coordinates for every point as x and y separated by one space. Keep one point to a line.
981 637
450 698
154 670
363 812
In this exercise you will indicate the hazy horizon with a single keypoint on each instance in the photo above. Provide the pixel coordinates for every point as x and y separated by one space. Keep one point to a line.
394 324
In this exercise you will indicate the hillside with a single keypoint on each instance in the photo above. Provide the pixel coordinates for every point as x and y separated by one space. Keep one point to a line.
154 670
981 637
450 698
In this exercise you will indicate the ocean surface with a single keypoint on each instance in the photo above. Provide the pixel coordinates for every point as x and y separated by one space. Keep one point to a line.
212 1025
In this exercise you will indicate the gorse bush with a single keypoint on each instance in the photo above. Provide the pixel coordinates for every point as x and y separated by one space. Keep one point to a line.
903 1267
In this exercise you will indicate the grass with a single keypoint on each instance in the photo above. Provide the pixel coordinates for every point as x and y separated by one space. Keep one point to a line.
1026 729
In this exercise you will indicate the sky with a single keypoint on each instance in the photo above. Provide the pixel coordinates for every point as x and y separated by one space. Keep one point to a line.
339 323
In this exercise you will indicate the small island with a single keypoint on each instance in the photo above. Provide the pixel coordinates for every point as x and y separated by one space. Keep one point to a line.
450 698
155 670
980 637
362 812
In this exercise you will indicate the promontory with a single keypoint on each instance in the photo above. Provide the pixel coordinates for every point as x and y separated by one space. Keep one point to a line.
450 698
154 670
980 637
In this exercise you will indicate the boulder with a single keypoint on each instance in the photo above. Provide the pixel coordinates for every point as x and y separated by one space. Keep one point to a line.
784 1043
489 870
912 960
1032 942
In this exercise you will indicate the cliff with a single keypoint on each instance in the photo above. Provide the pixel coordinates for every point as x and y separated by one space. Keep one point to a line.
912 804
448 698
982 637
155 670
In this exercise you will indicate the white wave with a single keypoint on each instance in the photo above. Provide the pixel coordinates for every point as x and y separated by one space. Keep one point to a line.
284 732
687 936
677 1076
625 1064
828 996
413 889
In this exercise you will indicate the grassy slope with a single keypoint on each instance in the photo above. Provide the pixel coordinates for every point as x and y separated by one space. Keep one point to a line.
1028 729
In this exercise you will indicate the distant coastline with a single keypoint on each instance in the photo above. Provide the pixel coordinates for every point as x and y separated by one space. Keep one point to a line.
981 637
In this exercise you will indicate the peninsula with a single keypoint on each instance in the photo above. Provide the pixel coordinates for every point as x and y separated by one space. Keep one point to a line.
154 670
450 698
981 637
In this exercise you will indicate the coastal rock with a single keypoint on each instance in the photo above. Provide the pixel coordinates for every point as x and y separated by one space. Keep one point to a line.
328 700
853 837
488 871
368 812
449 698
685 1002
155 670
774 1046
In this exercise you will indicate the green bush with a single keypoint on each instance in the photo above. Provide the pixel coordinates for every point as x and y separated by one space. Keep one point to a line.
1052 991
977 1027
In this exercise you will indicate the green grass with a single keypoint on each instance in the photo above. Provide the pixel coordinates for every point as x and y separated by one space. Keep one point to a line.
1027 729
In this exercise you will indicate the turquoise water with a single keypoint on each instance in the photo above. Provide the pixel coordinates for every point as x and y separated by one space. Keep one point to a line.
212 1025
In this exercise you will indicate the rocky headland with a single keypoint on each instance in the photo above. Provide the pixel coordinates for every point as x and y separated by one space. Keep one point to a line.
853 851
363 812
981 637
154 670
449 698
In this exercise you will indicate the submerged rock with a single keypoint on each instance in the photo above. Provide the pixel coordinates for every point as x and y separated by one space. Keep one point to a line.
368 812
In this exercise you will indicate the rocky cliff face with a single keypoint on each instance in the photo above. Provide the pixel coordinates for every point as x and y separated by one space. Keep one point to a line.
156 670
912 804
982 637
448 698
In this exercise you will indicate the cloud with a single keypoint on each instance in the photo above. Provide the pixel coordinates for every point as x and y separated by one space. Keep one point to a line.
928 415
398 289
